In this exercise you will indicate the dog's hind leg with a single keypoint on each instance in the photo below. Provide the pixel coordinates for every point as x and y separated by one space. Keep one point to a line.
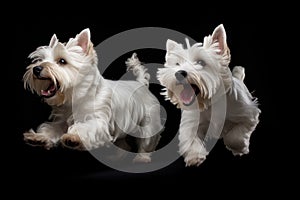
238 138
146 146
150 135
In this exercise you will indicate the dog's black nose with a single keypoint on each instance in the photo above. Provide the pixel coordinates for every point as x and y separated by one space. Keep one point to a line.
37 70
180 75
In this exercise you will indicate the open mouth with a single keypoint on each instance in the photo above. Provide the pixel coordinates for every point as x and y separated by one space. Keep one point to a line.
51 88
188 94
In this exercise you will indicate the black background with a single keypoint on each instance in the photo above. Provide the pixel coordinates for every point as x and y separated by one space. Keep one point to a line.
246 40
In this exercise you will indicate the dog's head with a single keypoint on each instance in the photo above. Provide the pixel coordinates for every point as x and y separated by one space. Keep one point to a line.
193 75
55 68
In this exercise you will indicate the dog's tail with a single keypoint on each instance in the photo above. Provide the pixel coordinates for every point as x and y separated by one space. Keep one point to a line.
138 69
239 72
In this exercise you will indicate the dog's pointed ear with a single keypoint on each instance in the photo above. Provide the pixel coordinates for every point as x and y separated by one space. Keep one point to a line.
172 45
217 40
53 42
83 39
219 35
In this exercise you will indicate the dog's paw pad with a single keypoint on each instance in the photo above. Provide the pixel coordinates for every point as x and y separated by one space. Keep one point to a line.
72 141
142 158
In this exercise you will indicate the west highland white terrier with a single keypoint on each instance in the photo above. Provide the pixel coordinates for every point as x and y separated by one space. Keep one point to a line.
197 78
89 111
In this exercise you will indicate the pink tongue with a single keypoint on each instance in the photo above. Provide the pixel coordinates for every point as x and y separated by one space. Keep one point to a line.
187 94
48 91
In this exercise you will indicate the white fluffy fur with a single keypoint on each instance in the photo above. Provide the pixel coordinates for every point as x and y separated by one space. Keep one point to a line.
206 67
89 111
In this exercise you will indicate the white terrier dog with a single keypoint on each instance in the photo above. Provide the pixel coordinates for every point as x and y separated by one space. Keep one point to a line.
89 111
196 79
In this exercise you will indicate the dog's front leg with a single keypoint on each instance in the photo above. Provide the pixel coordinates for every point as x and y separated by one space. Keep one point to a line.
87 135
191 145
47 134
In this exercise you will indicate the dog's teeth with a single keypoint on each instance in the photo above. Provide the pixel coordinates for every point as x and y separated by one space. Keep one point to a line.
45 93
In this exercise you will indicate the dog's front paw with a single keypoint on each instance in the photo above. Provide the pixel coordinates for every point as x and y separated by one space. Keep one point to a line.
72 141
194 159
38 139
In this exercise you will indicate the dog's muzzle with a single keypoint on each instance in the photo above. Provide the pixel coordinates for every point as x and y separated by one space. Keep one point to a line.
190 91
51 88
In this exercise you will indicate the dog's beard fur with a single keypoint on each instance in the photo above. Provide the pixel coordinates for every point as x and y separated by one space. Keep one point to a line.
197 77
88 111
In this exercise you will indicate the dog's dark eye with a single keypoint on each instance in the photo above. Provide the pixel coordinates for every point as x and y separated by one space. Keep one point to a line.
201 62
62 61
177 64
